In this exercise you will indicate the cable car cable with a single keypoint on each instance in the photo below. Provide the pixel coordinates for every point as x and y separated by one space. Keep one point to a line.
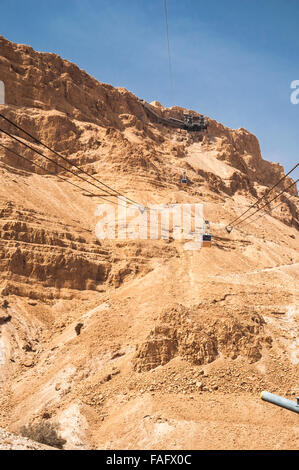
263 215
262 197
71 163
259 209
58 164
168 45
54 174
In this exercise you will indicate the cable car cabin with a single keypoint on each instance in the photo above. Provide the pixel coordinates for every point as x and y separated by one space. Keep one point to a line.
184 181
206 240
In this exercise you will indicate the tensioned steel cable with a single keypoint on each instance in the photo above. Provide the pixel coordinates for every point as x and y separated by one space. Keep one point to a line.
267 203
70 182
39 166
61 166
168 45
52 173
261 198
72 164
264 215
63 179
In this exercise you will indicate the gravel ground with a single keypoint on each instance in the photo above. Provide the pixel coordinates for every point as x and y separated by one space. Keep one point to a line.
9 441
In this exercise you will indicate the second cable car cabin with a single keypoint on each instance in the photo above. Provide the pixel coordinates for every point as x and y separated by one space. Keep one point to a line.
184 179
206 236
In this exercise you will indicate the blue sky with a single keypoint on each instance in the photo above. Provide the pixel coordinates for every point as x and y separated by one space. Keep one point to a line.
233 61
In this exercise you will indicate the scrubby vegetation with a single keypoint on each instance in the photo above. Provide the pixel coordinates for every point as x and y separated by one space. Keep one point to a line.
43 432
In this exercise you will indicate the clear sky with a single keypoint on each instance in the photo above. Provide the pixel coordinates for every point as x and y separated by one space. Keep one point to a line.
232 60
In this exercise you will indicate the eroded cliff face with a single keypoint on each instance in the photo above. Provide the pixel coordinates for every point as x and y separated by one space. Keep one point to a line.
68 109
106 130
93 331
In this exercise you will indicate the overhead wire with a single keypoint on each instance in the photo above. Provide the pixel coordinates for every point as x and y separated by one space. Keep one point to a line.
231 224
267 203
32 162
61 166
72 164
168 46
264 215
53 174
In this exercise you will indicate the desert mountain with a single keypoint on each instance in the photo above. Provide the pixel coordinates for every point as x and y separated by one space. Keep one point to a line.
139 343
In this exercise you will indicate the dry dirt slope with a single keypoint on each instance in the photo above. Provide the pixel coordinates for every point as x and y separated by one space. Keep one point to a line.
175 345
9 441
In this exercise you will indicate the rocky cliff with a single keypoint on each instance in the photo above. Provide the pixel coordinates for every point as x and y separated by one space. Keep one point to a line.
138 343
